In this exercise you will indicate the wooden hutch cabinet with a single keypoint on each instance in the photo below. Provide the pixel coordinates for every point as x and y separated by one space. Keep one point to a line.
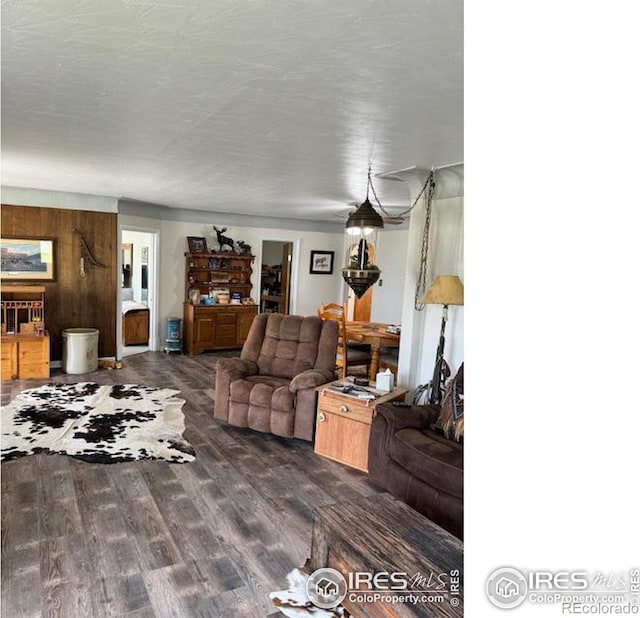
223 325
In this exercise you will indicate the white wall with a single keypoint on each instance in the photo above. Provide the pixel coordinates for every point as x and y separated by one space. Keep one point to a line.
447 253
421 329
310 290
391 255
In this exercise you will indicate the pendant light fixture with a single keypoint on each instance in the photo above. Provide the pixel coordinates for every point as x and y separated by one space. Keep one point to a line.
362 229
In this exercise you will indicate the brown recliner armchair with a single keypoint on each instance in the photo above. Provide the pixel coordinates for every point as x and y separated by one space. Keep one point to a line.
271 386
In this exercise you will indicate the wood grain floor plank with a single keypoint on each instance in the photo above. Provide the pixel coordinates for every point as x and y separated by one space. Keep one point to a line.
120 596
215 575
173 592
147 527
66 600
21 593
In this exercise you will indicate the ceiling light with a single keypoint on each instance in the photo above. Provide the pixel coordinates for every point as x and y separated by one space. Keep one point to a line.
364 220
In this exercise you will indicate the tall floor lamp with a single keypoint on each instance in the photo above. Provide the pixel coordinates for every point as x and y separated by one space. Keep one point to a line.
445 290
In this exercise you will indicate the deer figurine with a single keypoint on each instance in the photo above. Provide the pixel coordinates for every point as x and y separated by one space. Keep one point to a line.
223 240
245 249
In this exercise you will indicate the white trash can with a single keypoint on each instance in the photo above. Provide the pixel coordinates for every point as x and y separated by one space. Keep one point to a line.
80 350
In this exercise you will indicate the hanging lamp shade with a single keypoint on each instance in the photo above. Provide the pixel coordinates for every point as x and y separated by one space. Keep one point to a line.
364 219
360 280
359 272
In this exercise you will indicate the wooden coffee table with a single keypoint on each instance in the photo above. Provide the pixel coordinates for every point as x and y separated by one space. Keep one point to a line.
382 534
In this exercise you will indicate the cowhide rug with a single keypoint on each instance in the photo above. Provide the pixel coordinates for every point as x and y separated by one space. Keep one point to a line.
294 602
100 424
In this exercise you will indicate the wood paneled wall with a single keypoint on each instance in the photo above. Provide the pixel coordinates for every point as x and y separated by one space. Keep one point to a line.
73 301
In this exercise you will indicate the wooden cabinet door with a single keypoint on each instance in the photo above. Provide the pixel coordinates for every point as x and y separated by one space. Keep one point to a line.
342 439
9 351
205 331
226 329
33 358
245 319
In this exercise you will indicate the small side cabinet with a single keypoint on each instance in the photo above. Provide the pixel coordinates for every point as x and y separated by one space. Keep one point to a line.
343 425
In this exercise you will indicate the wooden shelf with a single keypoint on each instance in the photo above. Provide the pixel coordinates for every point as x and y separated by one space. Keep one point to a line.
201 273
25 353
218 326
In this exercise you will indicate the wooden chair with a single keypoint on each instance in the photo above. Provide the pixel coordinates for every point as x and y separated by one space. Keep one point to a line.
347 356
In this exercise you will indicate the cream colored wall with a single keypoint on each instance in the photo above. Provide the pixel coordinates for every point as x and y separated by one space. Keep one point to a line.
391 255
421 329
311 290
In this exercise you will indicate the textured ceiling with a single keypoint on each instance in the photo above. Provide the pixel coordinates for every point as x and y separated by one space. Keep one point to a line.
272 107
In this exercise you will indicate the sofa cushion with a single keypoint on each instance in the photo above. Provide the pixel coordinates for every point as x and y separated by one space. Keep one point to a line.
263 403
432 458
256 389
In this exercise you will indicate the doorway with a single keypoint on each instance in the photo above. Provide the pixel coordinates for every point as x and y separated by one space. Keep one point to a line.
137 296
276 276
359 309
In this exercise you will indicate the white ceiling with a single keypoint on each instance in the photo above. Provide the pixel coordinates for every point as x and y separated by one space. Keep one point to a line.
269 107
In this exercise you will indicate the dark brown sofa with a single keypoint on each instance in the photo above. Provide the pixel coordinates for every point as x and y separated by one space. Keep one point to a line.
418 465
271 386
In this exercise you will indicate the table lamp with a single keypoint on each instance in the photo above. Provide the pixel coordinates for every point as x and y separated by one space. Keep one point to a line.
445 290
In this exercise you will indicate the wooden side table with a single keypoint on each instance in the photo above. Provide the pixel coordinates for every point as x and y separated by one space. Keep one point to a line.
343 425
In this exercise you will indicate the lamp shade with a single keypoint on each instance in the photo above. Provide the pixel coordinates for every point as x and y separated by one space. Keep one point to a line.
445 290
365 218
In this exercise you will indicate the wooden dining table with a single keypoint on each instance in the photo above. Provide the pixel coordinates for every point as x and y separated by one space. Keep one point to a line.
376 335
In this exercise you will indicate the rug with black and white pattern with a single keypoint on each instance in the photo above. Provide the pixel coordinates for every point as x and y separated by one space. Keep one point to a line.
100 424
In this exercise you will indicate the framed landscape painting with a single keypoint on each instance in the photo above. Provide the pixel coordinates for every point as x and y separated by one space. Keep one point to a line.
27 259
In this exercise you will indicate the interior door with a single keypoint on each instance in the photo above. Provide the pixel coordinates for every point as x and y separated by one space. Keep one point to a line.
287 252
362 306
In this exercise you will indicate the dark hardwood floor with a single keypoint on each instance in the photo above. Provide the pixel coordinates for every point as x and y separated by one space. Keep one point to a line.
150 539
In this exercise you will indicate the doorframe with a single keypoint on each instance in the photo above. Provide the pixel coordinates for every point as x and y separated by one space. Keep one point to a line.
153 281
295 268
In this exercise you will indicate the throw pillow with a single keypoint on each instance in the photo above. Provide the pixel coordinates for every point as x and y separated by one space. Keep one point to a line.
451 417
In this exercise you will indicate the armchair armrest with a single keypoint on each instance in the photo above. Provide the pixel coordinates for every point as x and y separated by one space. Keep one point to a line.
390 419
397 418
309 379
228 370
236 367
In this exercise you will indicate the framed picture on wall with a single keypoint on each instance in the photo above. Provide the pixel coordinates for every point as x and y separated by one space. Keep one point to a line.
197 244
27 259
321 263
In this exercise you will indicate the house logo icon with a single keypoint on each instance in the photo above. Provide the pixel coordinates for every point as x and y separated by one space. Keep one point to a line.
326 588
506 588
